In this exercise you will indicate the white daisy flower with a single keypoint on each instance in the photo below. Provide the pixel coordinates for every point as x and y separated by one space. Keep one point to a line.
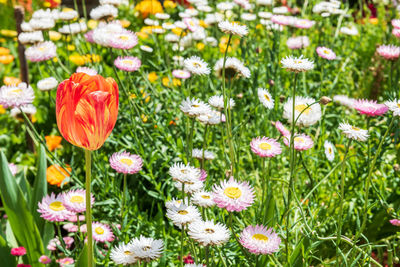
104 12
184 173
329 150
224 6
68 15
297 64
264 2
198 154
27 109
265 98
104 33
233 28
47 84
211 41
183 214
42 24
190 187
310 114
26 27
394 106
353 132
298 42
233 68
204 8
217 101
16 95
249 16
87 70
30 37
203 199
194 107
344 100
280 10
168 26
73 28
162 16
123 254
208 233
212 117
171 38
146 249
352 30
265 15
196 65
114 2
175 203
146 48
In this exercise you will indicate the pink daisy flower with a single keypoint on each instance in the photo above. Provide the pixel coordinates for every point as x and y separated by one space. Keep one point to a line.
260 240
89 36
124 40
203 175
20 251
326 53
396 23
281 128
75 200
395 222
87 70
396 32
102 232
389 52
65 261
124 162
301 142
282 20
303 23
265 147
192 24
181 74
70 227
44 259
370 107
74 218
52 209
128 63
41 52
233 195
13 168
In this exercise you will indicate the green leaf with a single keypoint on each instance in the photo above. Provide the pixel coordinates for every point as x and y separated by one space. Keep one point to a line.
21 220
83 258
24 185
5 254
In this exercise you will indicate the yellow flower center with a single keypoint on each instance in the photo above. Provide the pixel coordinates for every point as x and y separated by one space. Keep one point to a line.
330 150
265 146
195 106
205 196
209 231
146 248
232 192
302 107
127 62
260 237
183 212
42 48
326 52
267 97
99 230
124 37
15 91
355 128
299 139
57 206
398 105
76 199
298 62
127 252
126 161
197 65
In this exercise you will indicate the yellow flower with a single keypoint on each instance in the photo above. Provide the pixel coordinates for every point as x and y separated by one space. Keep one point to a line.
55 60
374 21
92 24
2 40
2 110
4 51
152 76
259 27
125 23
6 59
77 59
169 4
66 9
54 36
144 118
3 2
178 31
165 81
132 96
11 80
147 7
147 29
200 46
147 99
176 82
142 35
71 47
203 24
8 33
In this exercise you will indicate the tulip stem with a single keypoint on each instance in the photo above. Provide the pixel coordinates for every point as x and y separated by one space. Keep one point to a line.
88 161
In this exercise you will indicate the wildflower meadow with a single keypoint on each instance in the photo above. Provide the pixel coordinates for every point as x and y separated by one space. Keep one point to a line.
199 133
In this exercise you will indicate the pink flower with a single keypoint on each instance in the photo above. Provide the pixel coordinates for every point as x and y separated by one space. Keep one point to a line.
181 74
52 209
396 32
102 232
125 162
395 222
20 251
233 195
70 227
370 107
13 168
124 40
326 53
23 265
281 128
303 23
265 147
260 240
74 218
44 259
65 261
203 175
129 64
301 142
89 36
282 20
75 200
396 23
389 52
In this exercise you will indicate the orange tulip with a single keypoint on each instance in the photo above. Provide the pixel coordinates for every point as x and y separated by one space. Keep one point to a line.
87 109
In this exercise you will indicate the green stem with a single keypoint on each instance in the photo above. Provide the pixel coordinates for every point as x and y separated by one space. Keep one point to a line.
190 148
124 193
204 147
88 161
182 233
342 180
207 252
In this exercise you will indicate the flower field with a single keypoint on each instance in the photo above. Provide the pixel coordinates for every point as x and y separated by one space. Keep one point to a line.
199 133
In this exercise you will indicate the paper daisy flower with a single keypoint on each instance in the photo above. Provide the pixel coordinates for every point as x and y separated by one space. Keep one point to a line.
104 12
102 232
265 98
233 28
329 150
396 32
352 30
370 107
146 48
13 168
181 74
196 66
123 254
75 201
301 142
175 203
127 63
310 112
265 147
233 68
16 95
198 154
64 262
326 53
124 40
353 132
260 239
184 173
194 107
298 42
146 249
389 52
30 37
208 233
212 117
44 259
190 187
243 4
203 199
203 175
88 71
233 195
396 23
124 162
297 64
47 84
281 128
217 101
183 214
344 100
52 209
41 52
395 222
394 106
303 23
